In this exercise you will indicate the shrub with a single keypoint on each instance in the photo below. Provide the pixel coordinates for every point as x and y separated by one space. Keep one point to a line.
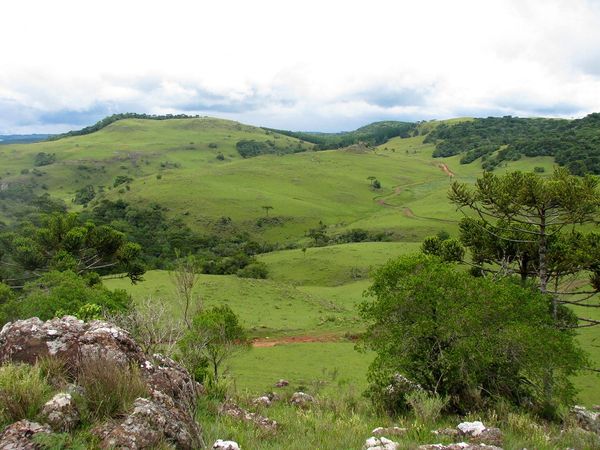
110 388
426 407
474 340
23 392
44 159
254 270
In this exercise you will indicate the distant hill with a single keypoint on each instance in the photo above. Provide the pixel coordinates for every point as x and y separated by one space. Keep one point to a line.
573 143
375 133
23 138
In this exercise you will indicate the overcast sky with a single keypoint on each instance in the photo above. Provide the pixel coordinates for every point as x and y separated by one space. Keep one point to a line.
313 65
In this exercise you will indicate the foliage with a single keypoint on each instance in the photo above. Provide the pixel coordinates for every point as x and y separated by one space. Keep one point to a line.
84 195
23 392
44 159
521 221
215 336
574 143
251 148
122 179
426 407
373 134
472 339
64 293
448 250
64 242
256 269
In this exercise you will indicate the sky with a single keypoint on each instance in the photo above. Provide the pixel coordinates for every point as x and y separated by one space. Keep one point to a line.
324 65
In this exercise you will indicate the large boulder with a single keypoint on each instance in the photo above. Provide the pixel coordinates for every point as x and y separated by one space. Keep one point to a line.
262 422
302 399
167 415
18 436
380 443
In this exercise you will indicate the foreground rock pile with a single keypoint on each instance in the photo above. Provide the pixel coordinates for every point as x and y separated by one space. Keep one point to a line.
165 416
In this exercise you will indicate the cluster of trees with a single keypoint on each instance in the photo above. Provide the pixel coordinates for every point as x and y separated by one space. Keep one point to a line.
506 328
114 118
162 239
321 237
573 143
373 134
249 148
20 202
44 159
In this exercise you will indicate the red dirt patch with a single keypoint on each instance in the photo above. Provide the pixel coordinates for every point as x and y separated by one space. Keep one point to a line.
446 170
266 342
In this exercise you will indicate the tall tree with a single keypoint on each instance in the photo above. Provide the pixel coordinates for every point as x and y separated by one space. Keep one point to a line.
530 221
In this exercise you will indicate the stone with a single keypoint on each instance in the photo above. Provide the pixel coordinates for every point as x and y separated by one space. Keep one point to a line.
233 410
588 420
262 401
282 383
458 446
150 423
61 412
389 431
452 432
301 399
18 436
167 416
471 428
225 445
380 443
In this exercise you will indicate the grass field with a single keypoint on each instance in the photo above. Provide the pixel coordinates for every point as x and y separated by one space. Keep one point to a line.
174 163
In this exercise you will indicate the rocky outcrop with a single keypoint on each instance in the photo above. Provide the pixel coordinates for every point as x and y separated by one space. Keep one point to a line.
282 383
588 420
61 413
380 443
225 445
475 432
264 423
301 399
18 436
166 415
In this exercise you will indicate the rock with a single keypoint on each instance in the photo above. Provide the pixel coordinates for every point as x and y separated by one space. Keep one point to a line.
264 401
151 423
18 435
489 436
471 428
380 443
168 415
452 432
588 420
236 412
61 412
458 446
390 431
225 445
301 399
282 383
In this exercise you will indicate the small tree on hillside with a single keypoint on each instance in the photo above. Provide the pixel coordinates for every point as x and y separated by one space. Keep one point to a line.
184 278
214 337
267 208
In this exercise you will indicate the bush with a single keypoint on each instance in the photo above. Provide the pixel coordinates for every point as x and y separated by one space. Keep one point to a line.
110 388
474 340
23 392
44 159
254 270
426 407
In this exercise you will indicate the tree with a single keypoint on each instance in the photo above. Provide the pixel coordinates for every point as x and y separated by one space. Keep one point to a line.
528 221
473 339
184 278
64 242
214 337
267 208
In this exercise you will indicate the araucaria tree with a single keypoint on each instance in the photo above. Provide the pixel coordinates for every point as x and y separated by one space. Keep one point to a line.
530 225
474 340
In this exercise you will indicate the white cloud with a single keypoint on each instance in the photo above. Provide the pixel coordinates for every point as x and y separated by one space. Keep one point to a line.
312 64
